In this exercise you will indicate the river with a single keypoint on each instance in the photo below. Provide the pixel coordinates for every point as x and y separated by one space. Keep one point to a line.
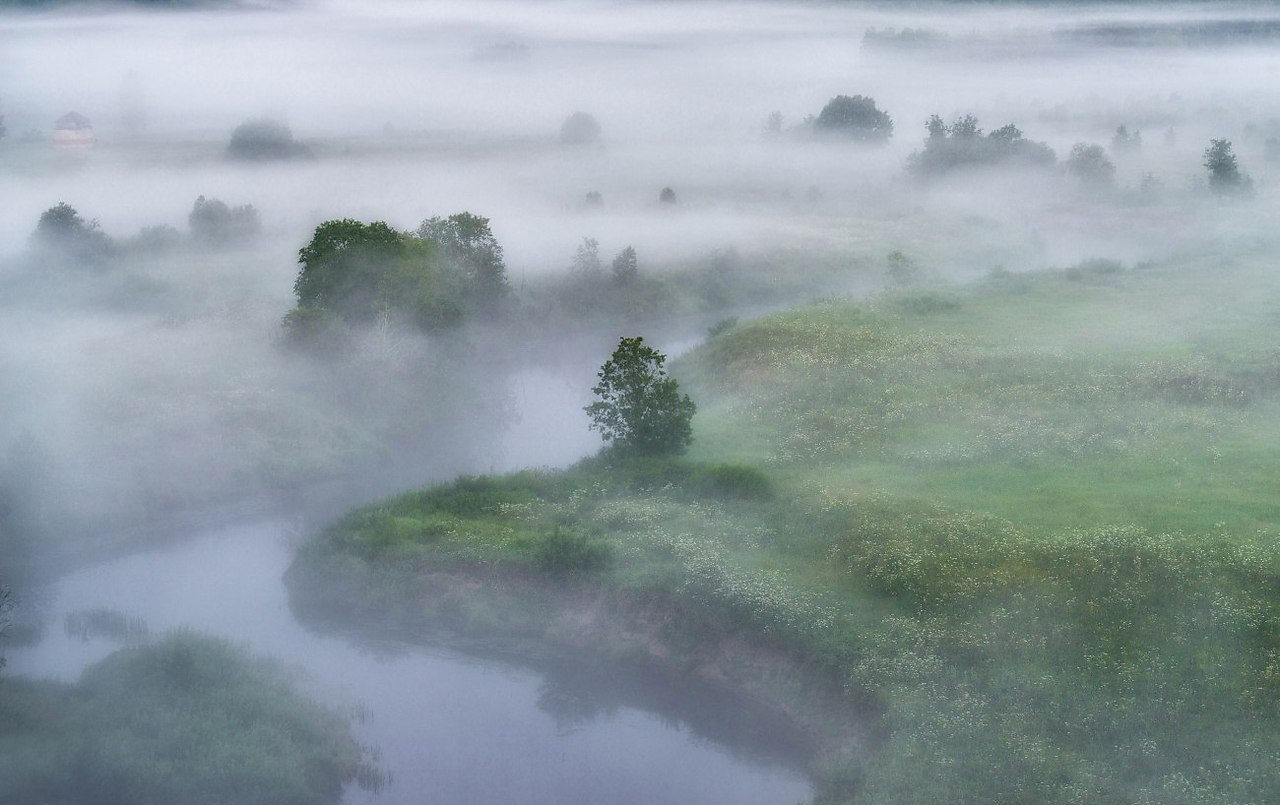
448 726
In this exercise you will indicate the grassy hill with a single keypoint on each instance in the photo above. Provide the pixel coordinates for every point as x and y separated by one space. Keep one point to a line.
1013 542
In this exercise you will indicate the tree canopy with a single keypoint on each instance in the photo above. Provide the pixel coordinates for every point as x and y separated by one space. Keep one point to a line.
855 118
468 245
639 409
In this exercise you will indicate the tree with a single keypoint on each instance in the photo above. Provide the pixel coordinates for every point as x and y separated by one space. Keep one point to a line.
470 247
213 222
1224 171
62 231
1124 142
1089 164
265 139
586 260
580 128
6 603
855 118
345 268
667 196
639 409
625 268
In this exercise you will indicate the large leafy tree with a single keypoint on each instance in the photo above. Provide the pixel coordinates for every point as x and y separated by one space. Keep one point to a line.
470 247
639 409
347 268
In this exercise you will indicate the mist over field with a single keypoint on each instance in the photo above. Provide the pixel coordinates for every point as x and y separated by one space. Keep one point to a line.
148 375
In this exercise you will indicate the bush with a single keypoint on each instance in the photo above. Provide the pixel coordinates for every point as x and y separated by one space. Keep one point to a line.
563 550
731 481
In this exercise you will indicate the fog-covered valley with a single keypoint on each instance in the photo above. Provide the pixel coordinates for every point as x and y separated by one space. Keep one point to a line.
162 375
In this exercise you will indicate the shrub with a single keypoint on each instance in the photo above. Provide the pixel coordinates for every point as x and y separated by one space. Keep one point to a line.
732 481
564 550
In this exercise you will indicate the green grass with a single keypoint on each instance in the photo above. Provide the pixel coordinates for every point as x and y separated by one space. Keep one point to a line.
188 719
1028 527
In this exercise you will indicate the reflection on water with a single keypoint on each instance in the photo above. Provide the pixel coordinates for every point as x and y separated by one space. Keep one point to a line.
449 727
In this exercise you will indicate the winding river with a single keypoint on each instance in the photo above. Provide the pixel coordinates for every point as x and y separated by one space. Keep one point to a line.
448 726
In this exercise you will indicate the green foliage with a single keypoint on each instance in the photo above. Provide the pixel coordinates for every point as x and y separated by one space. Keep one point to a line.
355 274
1035 542
962 146
639 408
1090 166
265 139
1224 170
563 550
347 266
213 222
855 118
62 233
625 267
469 248
736 481
189 719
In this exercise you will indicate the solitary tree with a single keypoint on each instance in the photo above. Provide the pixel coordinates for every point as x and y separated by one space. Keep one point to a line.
1224 171
580 128
639 409
856 118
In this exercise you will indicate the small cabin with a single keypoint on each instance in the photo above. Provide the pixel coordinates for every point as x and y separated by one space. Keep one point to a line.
73 130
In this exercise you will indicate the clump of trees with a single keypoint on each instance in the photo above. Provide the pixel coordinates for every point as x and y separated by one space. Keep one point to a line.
854 118
214 222
580 128
265 139
63 233
639 409
1124 142
962 146
353 273
1225 176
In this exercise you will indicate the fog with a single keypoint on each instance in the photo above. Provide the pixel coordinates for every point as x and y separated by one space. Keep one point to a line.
156 388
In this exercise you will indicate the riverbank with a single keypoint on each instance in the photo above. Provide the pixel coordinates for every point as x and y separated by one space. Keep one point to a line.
1023 530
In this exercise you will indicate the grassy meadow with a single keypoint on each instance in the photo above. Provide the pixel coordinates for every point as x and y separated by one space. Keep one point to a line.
1007 542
